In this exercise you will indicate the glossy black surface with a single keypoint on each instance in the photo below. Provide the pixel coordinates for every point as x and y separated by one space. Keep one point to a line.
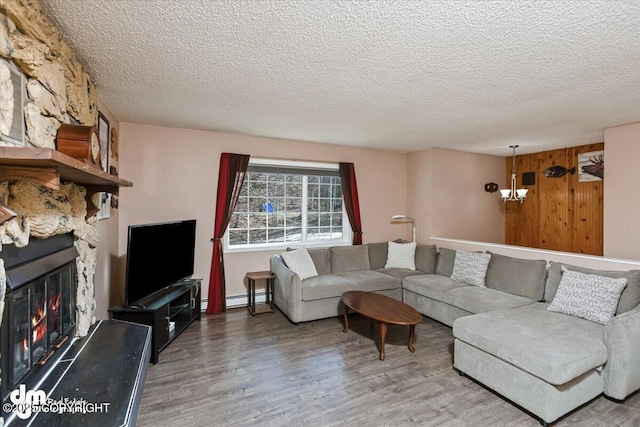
108 366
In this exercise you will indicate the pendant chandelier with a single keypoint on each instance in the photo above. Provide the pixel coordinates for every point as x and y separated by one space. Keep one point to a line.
511 194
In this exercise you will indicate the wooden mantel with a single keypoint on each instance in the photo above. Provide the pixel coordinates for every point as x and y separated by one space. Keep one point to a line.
41 162
50 167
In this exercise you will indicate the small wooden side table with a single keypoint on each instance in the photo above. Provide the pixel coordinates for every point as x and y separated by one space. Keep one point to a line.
268 290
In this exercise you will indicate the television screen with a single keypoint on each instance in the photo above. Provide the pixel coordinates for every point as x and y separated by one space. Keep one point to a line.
158 256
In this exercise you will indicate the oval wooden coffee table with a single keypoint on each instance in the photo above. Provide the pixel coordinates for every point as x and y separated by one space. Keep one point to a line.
383 310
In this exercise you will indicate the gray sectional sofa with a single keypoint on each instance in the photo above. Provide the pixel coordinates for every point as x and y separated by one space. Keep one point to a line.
341 269
546 362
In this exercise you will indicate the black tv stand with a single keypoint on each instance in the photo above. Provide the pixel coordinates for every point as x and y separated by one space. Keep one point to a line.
178 304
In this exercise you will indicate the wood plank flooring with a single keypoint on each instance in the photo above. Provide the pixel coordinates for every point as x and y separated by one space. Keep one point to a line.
237 370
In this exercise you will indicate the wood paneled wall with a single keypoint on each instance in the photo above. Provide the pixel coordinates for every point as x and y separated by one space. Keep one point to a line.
559 214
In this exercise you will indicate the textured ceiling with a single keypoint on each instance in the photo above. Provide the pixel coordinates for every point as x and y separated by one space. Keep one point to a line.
405 75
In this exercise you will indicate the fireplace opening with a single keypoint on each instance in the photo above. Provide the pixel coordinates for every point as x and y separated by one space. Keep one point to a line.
39 315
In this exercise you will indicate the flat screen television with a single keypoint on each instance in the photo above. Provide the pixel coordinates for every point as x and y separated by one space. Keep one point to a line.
158 256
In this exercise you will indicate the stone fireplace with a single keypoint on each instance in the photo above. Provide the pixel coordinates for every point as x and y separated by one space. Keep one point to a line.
56 90
35 305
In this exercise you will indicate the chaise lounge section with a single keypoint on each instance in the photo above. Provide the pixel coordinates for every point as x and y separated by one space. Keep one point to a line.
549 362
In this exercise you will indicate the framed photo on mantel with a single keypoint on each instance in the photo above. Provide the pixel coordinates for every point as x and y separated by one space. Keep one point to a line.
103 136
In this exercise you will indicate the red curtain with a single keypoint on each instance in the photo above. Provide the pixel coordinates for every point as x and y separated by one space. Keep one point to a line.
351 203
233 168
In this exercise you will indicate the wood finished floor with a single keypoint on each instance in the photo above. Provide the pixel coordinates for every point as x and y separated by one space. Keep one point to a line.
238 370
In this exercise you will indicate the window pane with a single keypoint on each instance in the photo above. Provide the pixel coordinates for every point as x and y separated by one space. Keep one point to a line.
312 219
294 220
313 190
336 219
313 179
276 189
257 189
276 177
337 190
325 190
238 237
294 190
325 219
257 236
293 235
275 220
312 233
276 235
257 221
278 204
294 178
238 221
294 205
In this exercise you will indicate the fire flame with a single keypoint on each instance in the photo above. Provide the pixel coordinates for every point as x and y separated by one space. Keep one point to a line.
39 328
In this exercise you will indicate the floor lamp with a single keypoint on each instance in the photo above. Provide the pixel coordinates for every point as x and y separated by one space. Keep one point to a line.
402 219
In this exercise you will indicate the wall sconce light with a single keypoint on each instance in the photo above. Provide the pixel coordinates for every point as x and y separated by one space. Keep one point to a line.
402 219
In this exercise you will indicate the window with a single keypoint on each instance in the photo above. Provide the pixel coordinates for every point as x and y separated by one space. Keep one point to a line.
287 204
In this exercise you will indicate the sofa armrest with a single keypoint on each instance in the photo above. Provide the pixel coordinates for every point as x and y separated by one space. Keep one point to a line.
622 371
287 292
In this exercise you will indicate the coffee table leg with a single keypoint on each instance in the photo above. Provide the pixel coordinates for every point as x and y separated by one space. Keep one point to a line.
346 320
383 336
412 333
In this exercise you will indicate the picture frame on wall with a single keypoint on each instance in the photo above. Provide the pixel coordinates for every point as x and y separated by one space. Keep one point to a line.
103 136
591 166
104 204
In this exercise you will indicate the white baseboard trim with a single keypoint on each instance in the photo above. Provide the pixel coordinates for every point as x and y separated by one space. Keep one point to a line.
237 301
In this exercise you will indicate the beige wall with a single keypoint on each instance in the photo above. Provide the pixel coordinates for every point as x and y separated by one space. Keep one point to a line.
446 195
621 200
106 279
175 171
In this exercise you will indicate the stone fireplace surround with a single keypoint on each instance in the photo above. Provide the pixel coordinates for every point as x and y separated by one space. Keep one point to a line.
43 213
58 90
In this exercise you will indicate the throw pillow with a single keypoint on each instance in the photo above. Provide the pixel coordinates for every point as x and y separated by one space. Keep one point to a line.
587 296
299 261
401 255
470 267
444 261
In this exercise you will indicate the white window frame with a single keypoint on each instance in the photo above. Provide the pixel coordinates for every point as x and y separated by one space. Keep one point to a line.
346 226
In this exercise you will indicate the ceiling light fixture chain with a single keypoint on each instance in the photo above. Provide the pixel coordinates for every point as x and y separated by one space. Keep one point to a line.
513 195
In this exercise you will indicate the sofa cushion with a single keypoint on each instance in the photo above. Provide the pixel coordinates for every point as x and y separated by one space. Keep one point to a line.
470 268
401 255
377 255
321 259
444 265
399 273
431 285
299 261
588 296
517 276
370 281
349 258
475 299
552 346
426 258
629 299
325 286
